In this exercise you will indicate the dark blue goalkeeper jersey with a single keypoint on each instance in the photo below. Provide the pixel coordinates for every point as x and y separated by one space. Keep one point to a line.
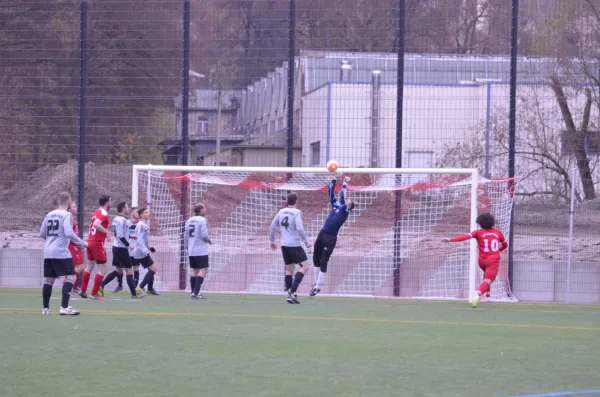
339 212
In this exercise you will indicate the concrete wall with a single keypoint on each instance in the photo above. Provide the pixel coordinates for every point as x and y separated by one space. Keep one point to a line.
539 281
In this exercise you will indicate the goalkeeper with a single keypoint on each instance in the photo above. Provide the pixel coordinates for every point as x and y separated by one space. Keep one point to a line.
327 237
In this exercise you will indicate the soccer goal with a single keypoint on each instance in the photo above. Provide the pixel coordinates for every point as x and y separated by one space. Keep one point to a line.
389 246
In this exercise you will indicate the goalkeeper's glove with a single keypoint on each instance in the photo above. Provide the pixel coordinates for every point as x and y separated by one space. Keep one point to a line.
152 250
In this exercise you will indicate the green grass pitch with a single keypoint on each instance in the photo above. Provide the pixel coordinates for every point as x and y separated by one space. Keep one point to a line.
246 345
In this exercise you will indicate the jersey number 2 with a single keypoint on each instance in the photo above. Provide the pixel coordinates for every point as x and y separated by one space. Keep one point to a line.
494 245
191 231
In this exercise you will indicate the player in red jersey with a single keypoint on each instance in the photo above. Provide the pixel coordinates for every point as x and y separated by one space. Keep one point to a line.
96 252
76 251
490 242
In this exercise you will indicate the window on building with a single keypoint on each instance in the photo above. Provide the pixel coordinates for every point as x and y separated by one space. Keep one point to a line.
201 125
315 153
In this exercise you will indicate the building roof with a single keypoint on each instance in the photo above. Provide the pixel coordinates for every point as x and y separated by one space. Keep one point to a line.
325 66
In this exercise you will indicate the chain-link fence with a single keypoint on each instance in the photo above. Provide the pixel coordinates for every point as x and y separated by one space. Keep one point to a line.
91 87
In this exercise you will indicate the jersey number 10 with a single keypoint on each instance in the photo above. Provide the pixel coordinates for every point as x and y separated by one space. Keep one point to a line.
487 244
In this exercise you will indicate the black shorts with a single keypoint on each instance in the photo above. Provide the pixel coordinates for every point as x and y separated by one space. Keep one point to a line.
146 261
121 258
134 262
58 267
199 262
293 255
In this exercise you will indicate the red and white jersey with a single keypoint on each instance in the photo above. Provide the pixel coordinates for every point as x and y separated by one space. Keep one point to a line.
490 242
96 236
72 245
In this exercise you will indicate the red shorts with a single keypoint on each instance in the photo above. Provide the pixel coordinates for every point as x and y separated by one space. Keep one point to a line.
490 267
77 254
96 252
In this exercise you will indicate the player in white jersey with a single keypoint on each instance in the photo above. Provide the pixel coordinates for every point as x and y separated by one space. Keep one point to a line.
120 251
293 235
197 241
142 250
57 230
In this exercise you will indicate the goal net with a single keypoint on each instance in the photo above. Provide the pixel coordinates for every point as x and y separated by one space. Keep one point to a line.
389 246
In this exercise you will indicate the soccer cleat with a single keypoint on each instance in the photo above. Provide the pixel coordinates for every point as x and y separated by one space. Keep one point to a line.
292 296
475 300
101 292
194 296
83 294
137 296
153 292
289 300
314 291
97 297
68 311
117 289
200 296
46 312
75 291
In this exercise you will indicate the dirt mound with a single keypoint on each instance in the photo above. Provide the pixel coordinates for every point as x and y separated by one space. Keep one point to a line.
24 205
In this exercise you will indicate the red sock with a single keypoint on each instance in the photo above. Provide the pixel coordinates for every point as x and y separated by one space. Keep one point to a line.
76 283
483 287
85 279
97 281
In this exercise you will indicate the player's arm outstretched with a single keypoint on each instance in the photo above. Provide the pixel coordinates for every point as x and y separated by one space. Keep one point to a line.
461 237
272 230
332 197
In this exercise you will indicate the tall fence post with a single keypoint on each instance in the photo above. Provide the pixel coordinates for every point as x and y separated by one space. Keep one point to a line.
185 143
400 32
512 126
82 113
289 154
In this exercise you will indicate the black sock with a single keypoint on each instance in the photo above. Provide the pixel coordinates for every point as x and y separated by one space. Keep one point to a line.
192 283
120 279
199 281
297 280
148 278
66 293
130 284
288 281
136 278
151 281
109 277
46 293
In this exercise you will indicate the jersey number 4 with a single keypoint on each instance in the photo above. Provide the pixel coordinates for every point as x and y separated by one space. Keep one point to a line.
284 222
493 244
52 229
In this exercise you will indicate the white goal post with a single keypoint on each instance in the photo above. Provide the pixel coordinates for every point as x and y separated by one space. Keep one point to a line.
390 246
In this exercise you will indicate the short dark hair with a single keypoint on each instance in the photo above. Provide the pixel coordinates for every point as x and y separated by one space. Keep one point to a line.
103 200
351 205
486 220
198 208
121 206
141 210
292 198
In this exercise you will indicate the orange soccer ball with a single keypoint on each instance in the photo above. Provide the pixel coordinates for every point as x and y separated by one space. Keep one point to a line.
332 165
